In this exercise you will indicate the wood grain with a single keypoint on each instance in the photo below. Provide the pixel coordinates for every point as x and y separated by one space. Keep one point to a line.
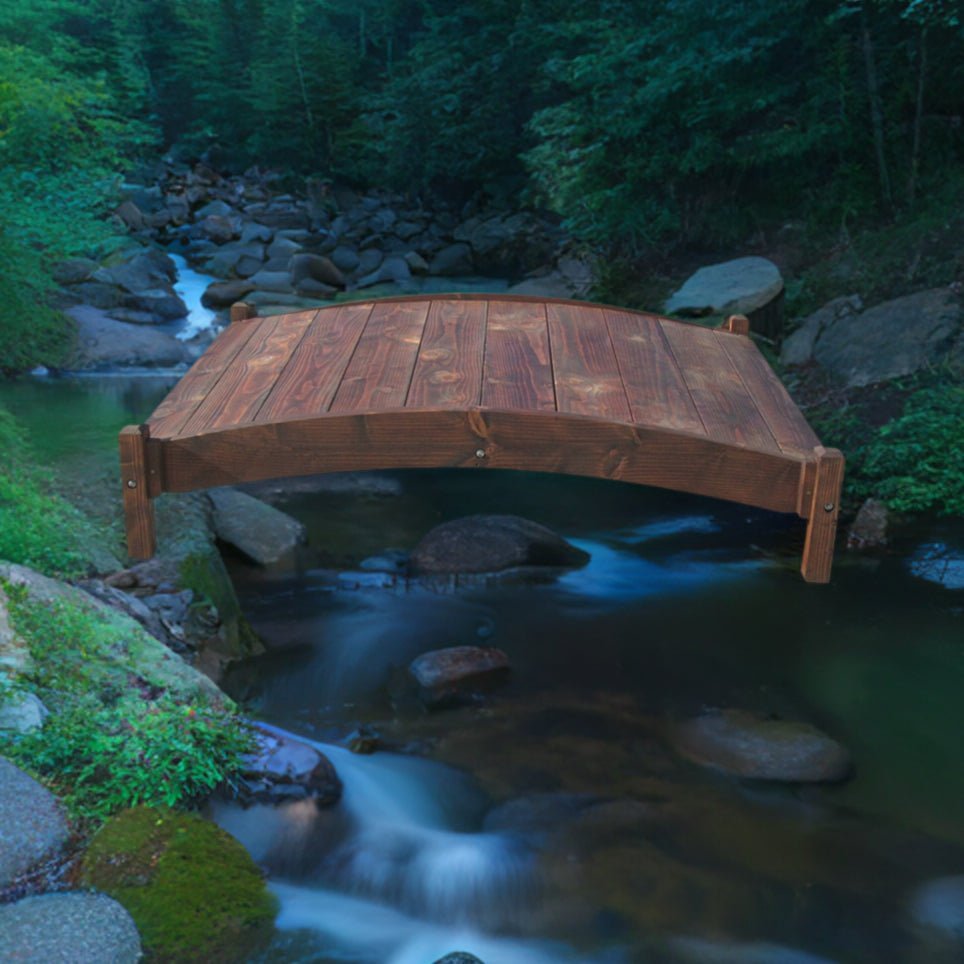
821 535
584 364
517 370
654 384
380 370
448 370
783 418
138 508
316 367
530 441
239 392
721 398
182 401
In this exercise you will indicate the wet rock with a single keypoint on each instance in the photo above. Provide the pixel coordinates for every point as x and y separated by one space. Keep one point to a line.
252 231
869 528
103 342
283 248
455 259
141 270
459 957
392 270
223 294
736 287
283 769
315 267
746 745
70 928
368 261
937 909
225 260
490 543
32 823
161 303
416 263
260 531
309 288
451 675
218 209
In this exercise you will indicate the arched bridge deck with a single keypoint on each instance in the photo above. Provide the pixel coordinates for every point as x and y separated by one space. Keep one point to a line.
480 382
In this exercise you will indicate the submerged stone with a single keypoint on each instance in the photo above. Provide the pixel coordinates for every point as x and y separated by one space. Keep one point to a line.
260 531
490 543
937 908
459 672
746 745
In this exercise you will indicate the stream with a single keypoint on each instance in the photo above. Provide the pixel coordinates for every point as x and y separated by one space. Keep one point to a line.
553 822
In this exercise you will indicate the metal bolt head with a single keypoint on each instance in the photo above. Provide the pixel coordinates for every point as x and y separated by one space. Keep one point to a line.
131 484
480 453
828 507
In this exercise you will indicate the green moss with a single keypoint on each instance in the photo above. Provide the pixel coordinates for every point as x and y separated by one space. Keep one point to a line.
192 889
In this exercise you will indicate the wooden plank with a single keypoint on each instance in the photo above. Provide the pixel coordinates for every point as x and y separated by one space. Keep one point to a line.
783 418
182 401
654 384
380 370
242 389
821 535
531 441
584 364
316 367
722 400
138 508
517 370
448 371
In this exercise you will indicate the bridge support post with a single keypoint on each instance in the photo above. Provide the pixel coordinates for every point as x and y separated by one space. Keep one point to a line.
138 508
241 311
822 522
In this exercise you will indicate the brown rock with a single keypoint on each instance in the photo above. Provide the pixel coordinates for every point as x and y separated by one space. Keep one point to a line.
459 672
869 529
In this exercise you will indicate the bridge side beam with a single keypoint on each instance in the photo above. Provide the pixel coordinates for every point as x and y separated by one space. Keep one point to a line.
138 507
822 523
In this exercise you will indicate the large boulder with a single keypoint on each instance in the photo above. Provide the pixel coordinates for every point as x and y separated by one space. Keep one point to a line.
316 267
140 270
262 532
455 259
450 675
136 653
797 348
892 339
32 823
193 891
70 928
737 287
103 342
282 769
746 745
490 543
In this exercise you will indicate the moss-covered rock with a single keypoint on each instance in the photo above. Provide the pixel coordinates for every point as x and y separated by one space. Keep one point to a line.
192 889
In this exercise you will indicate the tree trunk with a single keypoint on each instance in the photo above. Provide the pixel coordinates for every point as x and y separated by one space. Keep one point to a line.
876 112
918 116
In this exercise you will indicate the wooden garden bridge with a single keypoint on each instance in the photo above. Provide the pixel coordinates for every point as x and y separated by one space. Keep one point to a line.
486 381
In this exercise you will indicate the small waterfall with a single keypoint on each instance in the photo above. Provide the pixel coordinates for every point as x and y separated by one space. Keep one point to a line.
190 286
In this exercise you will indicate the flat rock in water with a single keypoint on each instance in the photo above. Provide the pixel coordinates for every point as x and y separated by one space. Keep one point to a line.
103 342
260 531
734 287
32 823
745 745
446 675
71 928
490 543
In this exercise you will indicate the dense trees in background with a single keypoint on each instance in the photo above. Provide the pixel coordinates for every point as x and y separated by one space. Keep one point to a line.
641 122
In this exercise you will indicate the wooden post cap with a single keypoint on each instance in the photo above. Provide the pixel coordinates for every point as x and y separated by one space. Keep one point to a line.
738 324
241 310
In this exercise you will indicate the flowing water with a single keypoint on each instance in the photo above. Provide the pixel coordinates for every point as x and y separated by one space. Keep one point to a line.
553 822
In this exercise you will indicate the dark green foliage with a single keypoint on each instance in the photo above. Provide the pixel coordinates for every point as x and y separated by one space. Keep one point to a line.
192 889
